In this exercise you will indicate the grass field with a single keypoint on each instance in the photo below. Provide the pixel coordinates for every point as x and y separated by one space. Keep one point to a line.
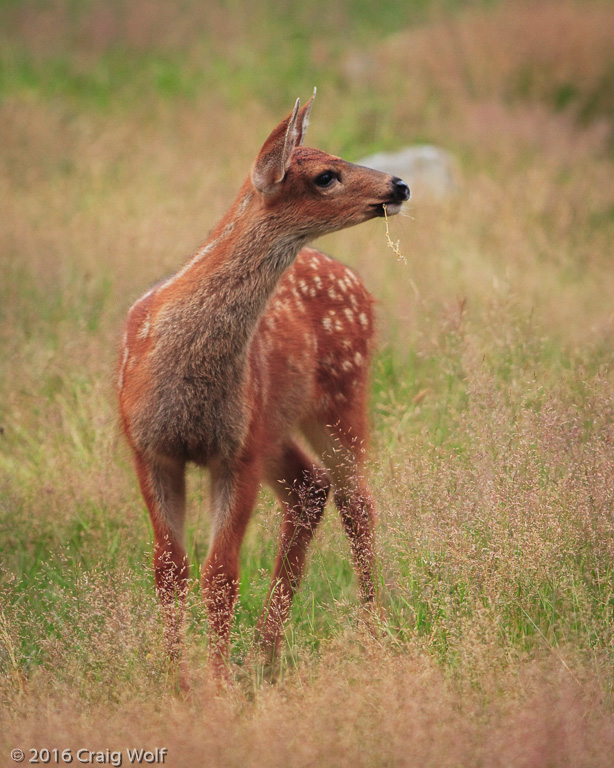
125 131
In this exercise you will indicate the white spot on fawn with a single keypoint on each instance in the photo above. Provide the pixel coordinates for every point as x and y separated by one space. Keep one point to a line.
144 330
364 320
349 314
331 364
328 324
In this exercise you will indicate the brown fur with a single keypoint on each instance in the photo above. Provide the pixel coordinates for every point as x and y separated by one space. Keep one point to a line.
258 337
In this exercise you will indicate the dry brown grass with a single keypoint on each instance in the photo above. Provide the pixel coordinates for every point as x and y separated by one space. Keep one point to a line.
365 710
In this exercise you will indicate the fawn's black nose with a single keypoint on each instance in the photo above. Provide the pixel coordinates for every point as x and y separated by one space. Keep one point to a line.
400 190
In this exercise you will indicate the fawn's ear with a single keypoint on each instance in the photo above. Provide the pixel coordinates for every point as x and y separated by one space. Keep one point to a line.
274 157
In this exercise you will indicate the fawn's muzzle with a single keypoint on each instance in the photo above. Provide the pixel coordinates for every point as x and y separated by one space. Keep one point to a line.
398 195
400 189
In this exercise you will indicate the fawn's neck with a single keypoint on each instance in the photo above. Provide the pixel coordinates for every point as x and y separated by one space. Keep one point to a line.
224 290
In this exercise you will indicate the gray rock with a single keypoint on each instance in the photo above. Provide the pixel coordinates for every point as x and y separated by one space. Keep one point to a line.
427 169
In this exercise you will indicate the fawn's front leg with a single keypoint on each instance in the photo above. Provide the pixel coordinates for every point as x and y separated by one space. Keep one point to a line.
234 490
162 484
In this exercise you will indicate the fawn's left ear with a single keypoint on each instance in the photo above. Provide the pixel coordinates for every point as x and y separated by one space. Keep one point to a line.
274 157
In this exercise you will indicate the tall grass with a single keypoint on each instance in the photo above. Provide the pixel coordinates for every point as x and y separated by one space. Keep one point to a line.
126 129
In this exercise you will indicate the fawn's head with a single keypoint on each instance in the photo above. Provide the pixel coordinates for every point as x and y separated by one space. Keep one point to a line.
311 192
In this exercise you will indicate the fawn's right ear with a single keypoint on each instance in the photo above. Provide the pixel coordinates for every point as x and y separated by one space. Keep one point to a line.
274 157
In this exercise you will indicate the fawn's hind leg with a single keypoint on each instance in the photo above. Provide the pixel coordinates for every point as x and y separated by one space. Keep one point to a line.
355 504
162 483
342 447
302 489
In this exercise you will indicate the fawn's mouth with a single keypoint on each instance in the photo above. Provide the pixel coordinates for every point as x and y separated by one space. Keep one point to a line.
386 209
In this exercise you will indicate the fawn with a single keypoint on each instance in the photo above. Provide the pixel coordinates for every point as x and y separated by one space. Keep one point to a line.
256 339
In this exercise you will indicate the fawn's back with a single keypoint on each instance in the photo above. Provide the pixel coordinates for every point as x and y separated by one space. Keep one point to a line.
310 354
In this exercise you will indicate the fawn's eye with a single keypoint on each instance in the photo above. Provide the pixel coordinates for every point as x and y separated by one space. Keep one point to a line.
325 179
